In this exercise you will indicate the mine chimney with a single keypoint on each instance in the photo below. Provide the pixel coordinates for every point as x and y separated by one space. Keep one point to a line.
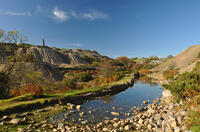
43 42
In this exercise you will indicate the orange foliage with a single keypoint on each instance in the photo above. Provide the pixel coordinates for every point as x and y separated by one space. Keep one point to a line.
143 71
123 59
34 89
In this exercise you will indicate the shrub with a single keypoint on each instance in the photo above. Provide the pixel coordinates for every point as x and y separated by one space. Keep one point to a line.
34 89
4 86
70 83
83 76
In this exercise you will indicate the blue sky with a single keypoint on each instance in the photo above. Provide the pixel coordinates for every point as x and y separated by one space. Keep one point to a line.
132 28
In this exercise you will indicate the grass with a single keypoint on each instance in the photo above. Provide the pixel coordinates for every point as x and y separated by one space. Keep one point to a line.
27 100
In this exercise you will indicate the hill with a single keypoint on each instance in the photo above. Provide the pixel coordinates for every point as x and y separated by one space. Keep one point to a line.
45 59
185 61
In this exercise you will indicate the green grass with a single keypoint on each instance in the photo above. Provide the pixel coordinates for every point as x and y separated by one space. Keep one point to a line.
26 100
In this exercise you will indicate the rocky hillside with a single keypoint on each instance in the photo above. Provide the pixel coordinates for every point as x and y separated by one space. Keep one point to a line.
61 57
47 58
184 61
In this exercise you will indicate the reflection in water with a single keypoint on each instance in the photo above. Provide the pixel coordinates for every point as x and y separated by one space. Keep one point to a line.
123 103
108 99
148 80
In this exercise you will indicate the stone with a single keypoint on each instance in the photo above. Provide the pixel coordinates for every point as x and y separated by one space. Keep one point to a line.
177 129
20 130
145 102
149 126
150 111
105 129
140 121
115 125
127 128
106 122
15 121
61 126
173 124
179 120
4 118
122 122
115 113
81 114
78 107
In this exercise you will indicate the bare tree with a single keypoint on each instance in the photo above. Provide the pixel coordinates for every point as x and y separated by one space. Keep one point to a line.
2 32
13 36
22 38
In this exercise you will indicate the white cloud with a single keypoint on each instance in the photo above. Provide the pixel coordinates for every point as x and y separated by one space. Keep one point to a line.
60 15
18 13
91 15
76 45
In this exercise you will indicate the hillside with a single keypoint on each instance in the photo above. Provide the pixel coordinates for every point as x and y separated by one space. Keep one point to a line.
44 59
54 56
184 61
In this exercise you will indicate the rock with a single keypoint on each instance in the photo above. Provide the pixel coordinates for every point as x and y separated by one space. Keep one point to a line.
173 124
115 125
15 121
149 126
150 111
127 128
177 129
20 130
105 129
122 122
115 113
81 114
89 112
106 122
4 118
78 107
145 102
61 126
179 119
2 123
140 121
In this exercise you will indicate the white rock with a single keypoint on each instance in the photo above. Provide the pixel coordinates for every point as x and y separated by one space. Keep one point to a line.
15 121
126 128
115 113
78 107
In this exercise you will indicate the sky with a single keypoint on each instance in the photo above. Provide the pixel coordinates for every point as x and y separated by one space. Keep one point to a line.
133 28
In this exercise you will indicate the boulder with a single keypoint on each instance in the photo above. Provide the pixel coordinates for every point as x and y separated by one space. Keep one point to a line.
15 121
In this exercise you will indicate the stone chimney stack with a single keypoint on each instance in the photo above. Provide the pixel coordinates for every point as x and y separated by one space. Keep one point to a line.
43 42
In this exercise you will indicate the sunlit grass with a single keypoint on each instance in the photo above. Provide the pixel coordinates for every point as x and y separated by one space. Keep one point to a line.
25 100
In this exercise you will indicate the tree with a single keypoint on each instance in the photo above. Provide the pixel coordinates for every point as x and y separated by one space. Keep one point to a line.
2 32
123 59
22 38
13 36
170 56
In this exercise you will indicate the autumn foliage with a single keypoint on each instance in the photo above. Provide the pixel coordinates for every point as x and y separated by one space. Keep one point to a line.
34 89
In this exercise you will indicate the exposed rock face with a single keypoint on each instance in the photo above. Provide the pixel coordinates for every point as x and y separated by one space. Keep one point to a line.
60 57
185 61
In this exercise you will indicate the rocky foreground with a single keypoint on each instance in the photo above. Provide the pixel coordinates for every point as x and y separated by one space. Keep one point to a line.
160 116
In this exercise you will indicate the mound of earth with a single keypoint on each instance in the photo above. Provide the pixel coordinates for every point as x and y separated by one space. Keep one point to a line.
184 61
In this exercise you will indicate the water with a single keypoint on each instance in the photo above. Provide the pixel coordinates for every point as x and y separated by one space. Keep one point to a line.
123 103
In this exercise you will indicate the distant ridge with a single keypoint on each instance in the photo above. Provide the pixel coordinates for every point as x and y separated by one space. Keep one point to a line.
185 61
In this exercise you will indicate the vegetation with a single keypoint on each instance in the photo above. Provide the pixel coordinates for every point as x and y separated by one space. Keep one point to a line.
187 87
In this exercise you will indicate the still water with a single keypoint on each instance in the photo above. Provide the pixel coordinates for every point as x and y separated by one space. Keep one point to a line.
122 103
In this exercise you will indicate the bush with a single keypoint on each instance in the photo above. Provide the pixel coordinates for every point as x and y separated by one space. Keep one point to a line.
83 76
70 83
184 84
4 85
34 89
